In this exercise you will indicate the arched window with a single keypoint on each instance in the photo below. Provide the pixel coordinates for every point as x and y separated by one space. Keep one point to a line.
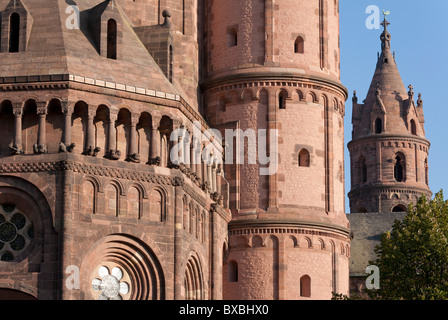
14 32
112 39
299 45
232 37
282 100
399 208
413 128
304 158
426 172
233 271
305 287
378 126
399 168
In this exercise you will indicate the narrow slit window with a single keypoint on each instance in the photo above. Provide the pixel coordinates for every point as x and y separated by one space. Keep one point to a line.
233 271
304 158
305 287
282 100
378 126
112 39
399 169
413 128
233 37
299 45
14 32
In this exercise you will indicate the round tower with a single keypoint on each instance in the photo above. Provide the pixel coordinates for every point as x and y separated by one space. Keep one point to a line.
273 67
388 151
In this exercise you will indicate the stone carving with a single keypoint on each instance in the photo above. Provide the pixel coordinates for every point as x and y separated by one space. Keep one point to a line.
154 162
64 149
135 158
40 148
15 150
91 151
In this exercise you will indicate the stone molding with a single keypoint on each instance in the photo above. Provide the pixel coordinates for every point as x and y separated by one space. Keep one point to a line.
102 171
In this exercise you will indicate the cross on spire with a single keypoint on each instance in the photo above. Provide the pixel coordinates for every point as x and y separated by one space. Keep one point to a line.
385 23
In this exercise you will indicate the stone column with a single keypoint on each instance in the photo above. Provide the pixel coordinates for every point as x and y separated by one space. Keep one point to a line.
112 153
17 146
67 110
90 134
155 141
209 177
133 155
192 162
213 178
41 146
199 159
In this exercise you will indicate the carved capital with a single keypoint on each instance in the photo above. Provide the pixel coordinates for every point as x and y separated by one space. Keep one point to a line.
67 107
41 107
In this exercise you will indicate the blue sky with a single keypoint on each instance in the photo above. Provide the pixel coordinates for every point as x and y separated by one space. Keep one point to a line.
420 41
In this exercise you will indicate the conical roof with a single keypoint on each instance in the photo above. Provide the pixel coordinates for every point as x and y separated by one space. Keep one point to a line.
387 95
386 78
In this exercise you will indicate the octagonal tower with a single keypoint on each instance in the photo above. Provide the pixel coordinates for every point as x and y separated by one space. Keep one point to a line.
388 151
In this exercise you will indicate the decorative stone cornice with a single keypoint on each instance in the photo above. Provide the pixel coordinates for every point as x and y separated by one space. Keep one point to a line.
97 170
288 226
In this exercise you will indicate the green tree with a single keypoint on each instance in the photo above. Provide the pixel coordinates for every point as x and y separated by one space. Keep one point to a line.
413 256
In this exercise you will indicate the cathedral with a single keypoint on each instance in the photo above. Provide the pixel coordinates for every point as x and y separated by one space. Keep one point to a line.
127 166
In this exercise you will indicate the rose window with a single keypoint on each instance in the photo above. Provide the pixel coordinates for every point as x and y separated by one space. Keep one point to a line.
16 232
112 285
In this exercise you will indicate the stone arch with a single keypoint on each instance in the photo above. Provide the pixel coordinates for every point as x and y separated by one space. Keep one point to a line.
138 255
311 96
102 123
305 286
305 242
321 244
123 130
299 94
263 96
79 125
144 133
282 96
26 196
292 242
257 241
194 285
399 208
54 125
7 127
136 194
88 196
400 167
112 199
30 125
165 130
247 96
157 204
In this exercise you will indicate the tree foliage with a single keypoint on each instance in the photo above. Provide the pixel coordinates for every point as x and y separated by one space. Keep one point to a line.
413 256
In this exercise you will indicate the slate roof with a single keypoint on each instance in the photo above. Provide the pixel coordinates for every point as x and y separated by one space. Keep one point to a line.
367 229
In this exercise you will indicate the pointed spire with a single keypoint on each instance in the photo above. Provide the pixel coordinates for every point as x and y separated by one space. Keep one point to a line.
385 36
